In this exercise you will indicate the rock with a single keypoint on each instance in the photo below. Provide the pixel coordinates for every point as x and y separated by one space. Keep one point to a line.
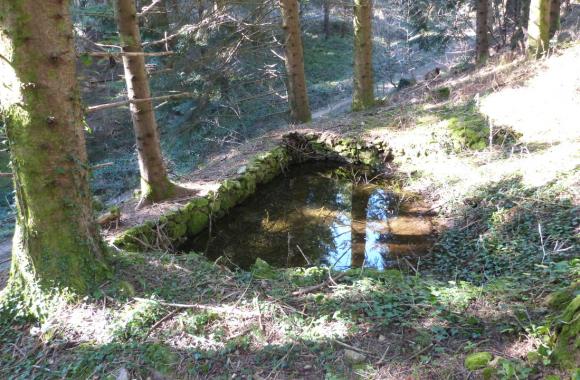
567 350
382 338
560 299
242 169
123 374
564 36
354 357
262 270
477 360
307 367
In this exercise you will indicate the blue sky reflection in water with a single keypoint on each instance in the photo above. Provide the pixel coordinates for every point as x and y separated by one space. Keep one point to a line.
318 214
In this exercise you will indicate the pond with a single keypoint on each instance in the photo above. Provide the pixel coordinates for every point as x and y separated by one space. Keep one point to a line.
320 214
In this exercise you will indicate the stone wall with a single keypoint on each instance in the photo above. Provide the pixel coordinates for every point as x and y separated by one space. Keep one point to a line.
172 229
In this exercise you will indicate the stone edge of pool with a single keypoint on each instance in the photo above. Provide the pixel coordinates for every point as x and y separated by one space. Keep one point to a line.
172 229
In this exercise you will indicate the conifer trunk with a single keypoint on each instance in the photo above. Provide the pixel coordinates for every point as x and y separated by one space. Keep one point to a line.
56 243
482 36
297 95
554 16
358 229
363 92
326 22
155 186
539 27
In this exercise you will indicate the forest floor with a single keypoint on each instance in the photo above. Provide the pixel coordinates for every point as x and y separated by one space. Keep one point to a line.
510 212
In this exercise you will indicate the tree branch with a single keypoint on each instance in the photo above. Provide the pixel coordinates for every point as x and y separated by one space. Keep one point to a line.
101 107
130 54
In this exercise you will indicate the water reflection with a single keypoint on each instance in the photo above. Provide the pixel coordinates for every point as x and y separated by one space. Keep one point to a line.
317 214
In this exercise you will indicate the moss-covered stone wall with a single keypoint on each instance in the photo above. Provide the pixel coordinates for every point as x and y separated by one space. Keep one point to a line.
172 229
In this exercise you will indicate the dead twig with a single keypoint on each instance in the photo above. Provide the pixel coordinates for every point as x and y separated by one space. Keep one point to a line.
422 351
159 322
313 288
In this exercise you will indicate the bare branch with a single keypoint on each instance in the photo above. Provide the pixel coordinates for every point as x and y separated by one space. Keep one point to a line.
133 101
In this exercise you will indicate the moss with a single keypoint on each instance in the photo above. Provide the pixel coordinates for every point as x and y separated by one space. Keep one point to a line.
477 360
262 270
560 299
198 221
567 350
441 93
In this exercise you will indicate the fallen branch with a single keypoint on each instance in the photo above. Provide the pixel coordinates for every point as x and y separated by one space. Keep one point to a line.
353 348
313 288
101 107
127 53
109 216
103 165
5 174
217 309
421 351
159 322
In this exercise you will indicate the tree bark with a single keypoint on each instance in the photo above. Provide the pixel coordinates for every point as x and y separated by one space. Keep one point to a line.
326 22
539 28
155 186
363 91
56 243
554 17
296 83
482 34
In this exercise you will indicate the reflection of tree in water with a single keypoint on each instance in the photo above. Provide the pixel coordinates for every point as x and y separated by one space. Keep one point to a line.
317 211
290 212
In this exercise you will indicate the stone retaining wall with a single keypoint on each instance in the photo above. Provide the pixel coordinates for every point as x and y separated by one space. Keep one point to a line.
172 229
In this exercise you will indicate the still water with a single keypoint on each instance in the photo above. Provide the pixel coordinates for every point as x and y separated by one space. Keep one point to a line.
319 214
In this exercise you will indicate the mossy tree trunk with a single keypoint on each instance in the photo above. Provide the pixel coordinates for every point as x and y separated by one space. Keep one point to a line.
56 243
363 91
554 16
539 27
155 185
481 31
296 83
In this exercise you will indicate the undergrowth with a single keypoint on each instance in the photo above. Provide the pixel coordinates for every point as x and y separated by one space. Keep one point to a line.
483 289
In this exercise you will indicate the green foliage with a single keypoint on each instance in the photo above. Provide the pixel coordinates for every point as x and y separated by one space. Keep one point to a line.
195 323
135 319
477 360
505 239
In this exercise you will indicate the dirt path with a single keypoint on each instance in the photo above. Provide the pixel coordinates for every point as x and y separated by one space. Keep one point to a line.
444 62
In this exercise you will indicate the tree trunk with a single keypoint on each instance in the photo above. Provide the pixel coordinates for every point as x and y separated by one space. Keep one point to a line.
539 27
522 24
554 17
56 243
297 96
358 229
363 92
326 24
482 34
155 185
